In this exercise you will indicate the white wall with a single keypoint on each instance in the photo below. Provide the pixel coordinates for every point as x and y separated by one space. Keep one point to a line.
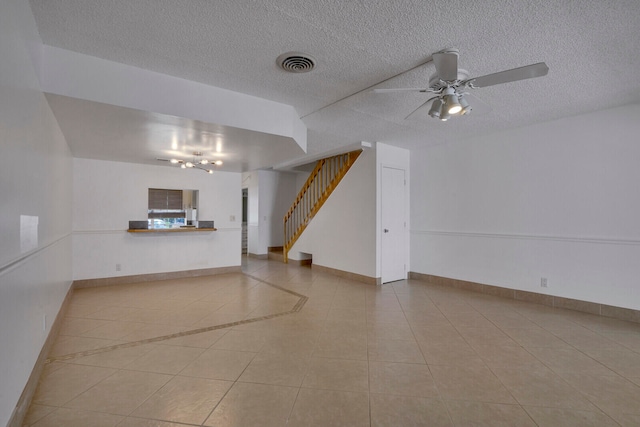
109 194
301 180
277 192
270 194
342 235
558 200
35 181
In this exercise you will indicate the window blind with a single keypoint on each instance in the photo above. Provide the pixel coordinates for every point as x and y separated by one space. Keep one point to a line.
163 199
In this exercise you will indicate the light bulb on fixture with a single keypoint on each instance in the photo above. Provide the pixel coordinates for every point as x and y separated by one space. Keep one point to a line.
455 108
451 101
444 114
196 163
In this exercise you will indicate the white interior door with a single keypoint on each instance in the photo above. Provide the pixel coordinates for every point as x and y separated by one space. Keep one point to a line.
393 220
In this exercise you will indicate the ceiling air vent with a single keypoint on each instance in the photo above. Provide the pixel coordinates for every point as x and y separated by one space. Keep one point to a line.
296 62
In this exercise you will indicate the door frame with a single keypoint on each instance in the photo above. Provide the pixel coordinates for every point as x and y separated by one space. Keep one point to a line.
405 240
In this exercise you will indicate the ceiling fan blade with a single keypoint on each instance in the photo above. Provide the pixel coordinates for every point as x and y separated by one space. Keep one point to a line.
527 72
402 89
421 108
446 63
163 160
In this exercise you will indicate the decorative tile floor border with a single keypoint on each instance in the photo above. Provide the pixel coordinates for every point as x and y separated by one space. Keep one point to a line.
296 308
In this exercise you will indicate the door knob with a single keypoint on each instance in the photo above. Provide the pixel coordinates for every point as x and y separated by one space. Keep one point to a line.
386 230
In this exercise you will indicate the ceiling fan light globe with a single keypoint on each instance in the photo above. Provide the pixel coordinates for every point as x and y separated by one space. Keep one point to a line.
434 111
217 162
466 108
204 161
174 161
183 166
452 104
444 113
189 164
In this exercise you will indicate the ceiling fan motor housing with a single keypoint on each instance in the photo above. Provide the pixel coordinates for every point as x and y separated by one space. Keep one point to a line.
450 84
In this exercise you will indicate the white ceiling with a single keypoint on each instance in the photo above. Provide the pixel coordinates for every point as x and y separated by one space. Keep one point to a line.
591 47
125 134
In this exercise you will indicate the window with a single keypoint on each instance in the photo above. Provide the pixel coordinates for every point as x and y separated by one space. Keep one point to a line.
171 208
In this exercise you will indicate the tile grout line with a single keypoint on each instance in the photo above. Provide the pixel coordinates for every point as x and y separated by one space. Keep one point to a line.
296 308
441 398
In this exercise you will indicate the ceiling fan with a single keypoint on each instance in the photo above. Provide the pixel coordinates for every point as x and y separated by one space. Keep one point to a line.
451 84
197 163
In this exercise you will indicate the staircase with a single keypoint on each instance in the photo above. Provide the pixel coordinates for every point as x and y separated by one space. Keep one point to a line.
324 178
275 253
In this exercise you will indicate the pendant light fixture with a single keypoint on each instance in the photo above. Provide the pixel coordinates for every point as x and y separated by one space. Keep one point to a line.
196 163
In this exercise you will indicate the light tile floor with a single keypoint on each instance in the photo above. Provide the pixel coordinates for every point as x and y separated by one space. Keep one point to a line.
284 345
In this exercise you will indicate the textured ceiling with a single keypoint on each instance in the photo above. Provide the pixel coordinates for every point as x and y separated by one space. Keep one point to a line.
591 47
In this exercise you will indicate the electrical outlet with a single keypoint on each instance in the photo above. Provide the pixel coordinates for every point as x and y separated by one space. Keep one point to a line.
543 282
118 267
232 218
